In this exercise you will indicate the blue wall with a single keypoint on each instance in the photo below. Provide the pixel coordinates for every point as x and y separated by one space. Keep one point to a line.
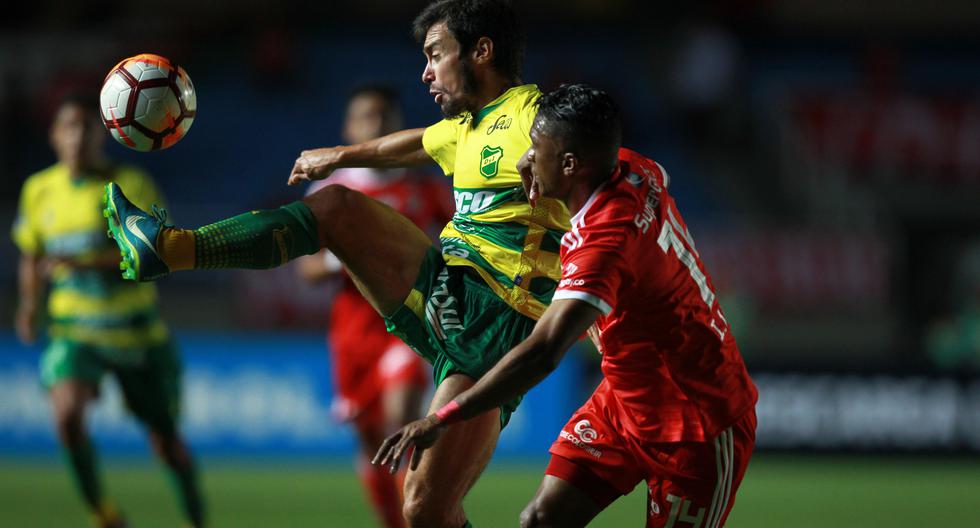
249 395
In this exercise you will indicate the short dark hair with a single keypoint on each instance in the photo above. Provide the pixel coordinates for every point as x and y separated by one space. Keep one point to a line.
468 20
387 94
583 120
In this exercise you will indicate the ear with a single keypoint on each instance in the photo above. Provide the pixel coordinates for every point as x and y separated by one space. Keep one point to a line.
483 51
569 163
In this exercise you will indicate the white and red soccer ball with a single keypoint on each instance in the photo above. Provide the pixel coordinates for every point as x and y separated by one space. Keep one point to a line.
148 103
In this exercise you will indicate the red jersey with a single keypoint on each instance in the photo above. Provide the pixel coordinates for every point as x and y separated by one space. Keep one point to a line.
359 342
667 352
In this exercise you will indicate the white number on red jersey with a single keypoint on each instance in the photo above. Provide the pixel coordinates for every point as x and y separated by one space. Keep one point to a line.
669 239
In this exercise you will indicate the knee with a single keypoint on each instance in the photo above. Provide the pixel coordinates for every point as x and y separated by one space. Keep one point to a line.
70 422
329 199
170 449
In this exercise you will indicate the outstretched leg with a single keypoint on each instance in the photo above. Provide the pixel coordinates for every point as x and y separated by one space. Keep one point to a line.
381 248
434 491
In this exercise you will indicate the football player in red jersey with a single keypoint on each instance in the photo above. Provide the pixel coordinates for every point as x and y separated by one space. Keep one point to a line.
379 380
676 407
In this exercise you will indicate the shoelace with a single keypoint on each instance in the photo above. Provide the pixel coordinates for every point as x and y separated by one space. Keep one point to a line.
160 214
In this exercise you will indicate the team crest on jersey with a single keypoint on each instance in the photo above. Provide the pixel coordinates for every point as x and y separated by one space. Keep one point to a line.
490 161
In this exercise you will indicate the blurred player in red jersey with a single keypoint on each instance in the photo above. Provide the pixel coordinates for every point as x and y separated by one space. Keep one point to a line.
380 381
676 407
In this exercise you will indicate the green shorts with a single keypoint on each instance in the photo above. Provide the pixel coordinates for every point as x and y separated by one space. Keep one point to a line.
150 387
458 324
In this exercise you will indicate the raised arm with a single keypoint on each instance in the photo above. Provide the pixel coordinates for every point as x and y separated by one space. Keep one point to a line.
517 372
399 149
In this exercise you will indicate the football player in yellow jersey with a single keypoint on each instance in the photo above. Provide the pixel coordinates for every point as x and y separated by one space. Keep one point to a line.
97 323
461 307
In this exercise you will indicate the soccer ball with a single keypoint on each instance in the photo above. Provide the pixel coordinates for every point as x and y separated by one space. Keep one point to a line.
148 103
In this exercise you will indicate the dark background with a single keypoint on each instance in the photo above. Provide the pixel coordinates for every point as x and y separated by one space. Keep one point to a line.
826 155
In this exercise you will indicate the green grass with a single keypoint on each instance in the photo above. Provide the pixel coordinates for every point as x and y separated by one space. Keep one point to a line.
779 491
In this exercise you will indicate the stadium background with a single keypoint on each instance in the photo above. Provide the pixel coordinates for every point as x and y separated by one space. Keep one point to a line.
825 155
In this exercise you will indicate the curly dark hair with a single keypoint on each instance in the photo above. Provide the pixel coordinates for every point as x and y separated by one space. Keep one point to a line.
468 20
583 120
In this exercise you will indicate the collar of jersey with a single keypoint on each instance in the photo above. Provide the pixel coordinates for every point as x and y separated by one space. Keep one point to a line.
493 105
621 168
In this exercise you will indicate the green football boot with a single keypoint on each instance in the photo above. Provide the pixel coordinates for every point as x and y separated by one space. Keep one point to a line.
135 231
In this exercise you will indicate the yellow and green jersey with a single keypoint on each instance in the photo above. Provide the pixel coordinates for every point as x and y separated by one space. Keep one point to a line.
495 231
62 217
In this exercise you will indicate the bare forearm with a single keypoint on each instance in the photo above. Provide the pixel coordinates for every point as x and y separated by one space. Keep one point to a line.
531 361
400 149
518 372
522 368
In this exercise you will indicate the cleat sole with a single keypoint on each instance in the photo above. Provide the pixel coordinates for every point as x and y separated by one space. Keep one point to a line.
127 264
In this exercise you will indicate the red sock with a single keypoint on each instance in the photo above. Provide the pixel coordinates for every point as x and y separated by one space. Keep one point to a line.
384 491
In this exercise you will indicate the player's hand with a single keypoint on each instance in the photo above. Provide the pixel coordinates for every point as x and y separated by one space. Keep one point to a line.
25 323
420 433
527 177
315 164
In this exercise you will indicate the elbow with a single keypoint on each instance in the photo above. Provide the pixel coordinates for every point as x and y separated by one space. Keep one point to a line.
552 360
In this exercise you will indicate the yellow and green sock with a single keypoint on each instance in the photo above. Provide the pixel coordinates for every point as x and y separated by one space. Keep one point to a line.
255 240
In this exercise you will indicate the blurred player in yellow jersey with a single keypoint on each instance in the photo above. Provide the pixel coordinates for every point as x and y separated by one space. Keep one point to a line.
97 323
462 306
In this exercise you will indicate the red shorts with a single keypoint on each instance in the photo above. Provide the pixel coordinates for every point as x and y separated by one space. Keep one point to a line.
689 483
367 361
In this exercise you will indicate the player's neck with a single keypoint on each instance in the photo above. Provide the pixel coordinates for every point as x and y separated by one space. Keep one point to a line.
491 88
584 188
579 195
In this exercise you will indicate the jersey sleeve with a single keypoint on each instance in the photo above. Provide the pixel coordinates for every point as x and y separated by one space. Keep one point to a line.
439 142
596 263
526 117
25 231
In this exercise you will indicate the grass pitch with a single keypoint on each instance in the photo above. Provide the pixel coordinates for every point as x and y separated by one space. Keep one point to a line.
779 491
